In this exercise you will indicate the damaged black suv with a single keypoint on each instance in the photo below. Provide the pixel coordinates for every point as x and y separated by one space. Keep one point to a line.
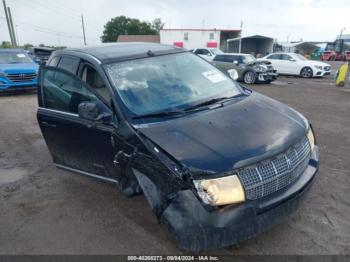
217 162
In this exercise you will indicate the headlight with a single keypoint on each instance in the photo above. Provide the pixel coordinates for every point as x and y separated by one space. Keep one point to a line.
311 138
2 74
220 191
318 67
260 68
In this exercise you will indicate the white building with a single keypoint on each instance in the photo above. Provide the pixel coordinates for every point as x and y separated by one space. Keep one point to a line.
198 38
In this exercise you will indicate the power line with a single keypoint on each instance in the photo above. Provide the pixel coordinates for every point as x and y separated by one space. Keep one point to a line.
49 30
40 9
64 8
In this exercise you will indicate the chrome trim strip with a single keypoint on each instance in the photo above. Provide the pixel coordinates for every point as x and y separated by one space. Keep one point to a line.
86 173
57 111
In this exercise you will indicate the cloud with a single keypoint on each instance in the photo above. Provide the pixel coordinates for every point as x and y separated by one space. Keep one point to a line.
58 21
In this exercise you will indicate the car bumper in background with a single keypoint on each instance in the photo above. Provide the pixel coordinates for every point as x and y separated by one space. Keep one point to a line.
263 77
322 73
196 228
7 86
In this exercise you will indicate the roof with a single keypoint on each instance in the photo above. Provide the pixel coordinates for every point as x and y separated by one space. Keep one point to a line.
344 36
250 37
123 51
139 38
288 44
195 29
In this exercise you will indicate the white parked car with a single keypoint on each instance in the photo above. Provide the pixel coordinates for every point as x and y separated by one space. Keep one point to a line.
207 53
296 64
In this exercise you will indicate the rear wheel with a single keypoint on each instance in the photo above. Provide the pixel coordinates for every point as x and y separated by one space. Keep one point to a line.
249 78
306 72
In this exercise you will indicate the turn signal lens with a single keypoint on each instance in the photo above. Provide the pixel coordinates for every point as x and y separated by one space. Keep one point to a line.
220 191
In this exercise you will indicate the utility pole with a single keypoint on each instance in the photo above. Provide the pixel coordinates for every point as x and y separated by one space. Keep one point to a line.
17 35
8 22
12 27
240 39
83 25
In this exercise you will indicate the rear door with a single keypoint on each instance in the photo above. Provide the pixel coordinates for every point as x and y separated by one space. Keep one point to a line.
219 62
74 143
290 65
276 61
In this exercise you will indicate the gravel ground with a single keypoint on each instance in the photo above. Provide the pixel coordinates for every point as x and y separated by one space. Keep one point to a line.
45 210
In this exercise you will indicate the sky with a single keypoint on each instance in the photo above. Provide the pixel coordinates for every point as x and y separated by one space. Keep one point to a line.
58 22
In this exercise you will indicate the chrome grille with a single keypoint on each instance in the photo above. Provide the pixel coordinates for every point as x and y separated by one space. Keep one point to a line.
22 77
272 175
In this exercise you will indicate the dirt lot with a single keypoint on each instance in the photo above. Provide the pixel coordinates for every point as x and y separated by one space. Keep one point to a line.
45 210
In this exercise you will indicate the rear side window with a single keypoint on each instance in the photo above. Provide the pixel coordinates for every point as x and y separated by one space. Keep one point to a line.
286 57
231 58
219 58
63 92
69 63
54 61
275 56
201 52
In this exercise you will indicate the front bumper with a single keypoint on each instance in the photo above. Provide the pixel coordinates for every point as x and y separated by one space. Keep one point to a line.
263 77
9 86
322 73
196 228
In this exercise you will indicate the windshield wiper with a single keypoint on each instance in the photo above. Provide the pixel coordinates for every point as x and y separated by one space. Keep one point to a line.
210 102
160 114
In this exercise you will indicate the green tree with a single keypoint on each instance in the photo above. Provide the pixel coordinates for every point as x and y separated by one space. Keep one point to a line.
157 25
27 46
122 25
5 44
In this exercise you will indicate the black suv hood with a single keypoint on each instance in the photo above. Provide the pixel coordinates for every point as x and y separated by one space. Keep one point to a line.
238 134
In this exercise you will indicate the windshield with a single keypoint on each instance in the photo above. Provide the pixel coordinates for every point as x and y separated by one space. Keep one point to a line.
168 82
300 57
247 59
216 51
14 58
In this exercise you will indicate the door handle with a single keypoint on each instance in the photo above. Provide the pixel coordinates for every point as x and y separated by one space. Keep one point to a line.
48 124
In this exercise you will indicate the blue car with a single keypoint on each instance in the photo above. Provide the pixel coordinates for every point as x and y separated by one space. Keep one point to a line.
18 71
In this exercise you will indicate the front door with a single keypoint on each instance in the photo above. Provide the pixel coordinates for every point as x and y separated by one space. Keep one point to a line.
75 143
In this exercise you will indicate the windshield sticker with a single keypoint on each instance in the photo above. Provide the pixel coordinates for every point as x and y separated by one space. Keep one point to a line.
21 55
214 76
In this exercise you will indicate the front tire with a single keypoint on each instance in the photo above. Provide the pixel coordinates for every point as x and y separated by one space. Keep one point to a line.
306 72
249 78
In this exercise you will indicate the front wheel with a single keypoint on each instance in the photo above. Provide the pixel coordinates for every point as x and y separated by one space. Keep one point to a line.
249 78
306 72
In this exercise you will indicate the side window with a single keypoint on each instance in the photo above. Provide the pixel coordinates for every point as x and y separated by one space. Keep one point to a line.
69 63
219 58
93 79
201 51
186 36
275 57
286 57
63 92
231 58
54 61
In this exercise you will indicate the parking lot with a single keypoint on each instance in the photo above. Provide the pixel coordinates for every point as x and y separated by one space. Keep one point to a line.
45 210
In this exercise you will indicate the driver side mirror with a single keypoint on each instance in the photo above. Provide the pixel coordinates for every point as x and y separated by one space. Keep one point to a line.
90 111
292 60
235 62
